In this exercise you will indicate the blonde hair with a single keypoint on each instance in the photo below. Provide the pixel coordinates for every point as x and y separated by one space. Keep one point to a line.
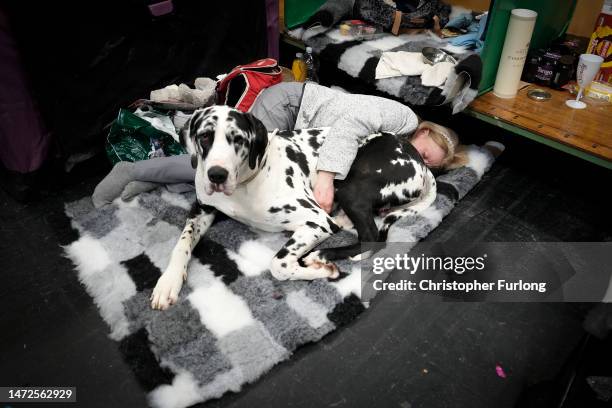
454 153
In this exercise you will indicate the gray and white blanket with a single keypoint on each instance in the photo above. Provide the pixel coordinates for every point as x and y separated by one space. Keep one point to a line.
358 59
233 321
345 59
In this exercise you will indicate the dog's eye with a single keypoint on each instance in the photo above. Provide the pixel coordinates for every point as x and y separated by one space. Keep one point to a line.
205 141
206 138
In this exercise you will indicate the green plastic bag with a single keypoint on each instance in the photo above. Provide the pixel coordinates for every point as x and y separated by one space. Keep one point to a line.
132 138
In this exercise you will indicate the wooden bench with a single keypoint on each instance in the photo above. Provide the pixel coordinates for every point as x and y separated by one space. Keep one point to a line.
585 133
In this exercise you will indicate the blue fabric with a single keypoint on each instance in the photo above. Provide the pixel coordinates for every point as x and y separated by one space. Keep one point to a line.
462 21
473 39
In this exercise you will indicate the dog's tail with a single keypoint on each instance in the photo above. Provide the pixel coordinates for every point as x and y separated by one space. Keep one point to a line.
427 197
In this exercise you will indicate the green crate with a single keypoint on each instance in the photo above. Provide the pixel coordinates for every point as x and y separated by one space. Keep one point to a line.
298 11
553 19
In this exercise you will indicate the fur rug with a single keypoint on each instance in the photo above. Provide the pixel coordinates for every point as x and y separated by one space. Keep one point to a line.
233 321
358 59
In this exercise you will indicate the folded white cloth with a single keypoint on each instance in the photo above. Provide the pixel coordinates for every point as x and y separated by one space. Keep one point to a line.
398 63
435 75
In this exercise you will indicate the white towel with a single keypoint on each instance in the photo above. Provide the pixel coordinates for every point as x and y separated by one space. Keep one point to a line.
435 75
399 63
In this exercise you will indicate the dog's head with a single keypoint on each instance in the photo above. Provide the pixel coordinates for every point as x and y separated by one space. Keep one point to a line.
225 145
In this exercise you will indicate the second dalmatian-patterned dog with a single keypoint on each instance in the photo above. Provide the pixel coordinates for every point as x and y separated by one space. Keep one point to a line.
264 180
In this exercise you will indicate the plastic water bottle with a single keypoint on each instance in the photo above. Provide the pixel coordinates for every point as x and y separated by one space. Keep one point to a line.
311 72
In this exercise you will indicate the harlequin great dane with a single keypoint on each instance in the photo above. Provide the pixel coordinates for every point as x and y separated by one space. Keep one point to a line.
265 181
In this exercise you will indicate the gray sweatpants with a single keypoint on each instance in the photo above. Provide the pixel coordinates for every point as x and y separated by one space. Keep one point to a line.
277 107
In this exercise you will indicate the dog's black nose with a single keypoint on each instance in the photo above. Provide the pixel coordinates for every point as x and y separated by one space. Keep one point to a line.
217 174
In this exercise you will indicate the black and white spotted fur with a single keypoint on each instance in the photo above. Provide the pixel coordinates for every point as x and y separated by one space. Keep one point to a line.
265 181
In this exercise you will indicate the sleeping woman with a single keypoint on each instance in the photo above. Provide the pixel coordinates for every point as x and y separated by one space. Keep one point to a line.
294 105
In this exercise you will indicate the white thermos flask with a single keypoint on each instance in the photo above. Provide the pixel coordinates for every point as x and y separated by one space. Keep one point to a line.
514 53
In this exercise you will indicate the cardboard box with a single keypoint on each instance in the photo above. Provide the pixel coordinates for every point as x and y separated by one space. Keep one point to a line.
601 44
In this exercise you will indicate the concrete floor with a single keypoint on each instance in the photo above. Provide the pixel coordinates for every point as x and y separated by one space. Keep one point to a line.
402 352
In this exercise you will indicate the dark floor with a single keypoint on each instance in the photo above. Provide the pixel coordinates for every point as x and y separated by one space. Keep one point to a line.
402 352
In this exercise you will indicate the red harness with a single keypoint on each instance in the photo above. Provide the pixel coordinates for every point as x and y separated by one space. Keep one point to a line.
242 85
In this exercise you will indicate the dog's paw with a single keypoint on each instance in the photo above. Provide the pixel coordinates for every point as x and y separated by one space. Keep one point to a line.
334 272
166 291
313 257
316 261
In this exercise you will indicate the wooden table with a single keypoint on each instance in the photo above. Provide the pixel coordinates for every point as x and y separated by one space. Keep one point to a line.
585 133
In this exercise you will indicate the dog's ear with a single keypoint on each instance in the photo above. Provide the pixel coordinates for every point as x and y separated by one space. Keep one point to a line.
187 135
258 139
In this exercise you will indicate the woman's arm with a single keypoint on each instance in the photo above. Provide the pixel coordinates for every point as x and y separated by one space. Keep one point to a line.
397 118
338 151
352 118
368 115
324 190
336 156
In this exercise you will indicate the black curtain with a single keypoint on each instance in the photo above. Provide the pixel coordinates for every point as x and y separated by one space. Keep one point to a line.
87 59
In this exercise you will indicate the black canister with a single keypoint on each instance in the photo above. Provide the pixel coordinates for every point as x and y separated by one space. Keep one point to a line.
563 72
571 46
547 67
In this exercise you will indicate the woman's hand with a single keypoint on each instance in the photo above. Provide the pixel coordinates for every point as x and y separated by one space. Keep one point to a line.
324 190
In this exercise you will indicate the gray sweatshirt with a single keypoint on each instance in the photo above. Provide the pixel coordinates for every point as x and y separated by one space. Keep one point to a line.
352 117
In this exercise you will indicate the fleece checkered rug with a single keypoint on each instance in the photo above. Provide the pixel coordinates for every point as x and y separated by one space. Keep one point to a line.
358 59
233 321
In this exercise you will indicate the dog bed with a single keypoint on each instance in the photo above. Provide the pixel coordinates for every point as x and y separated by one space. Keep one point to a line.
233 321
352 64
